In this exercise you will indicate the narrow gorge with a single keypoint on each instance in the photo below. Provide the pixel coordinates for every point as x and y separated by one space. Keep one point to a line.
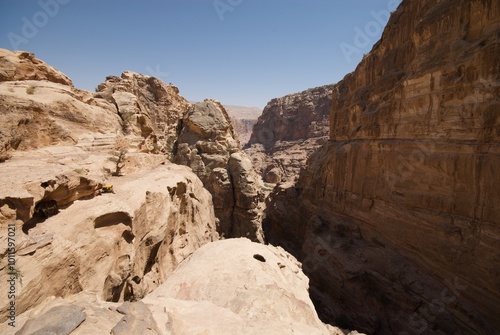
367 206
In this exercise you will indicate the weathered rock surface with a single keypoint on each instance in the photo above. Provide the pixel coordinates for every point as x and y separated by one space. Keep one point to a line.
61 320
398 216
119 245
288 131
22 65
252 289
148 107
207 144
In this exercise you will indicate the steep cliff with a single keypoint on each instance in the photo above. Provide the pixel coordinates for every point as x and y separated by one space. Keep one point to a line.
400 209
288 131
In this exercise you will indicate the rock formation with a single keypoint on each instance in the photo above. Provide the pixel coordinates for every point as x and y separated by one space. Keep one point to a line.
40 107
70 237
288 131
118 245
251 289
397 217
22 65
207 143
148 107
101 219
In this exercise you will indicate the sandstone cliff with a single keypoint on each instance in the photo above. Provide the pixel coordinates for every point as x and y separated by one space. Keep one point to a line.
288 131
256 289
207 143
397 217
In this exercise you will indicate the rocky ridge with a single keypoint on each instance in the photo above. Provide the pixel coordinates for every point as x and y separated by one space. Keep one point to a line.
401 203
288 131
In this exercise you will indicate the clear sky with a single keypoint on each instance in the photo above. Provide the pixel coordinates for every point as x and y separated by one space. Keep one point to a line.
240 52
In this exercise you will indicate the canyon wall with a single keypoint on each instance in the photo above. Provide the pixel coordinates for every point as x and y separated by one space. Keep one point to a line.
288 131
397 217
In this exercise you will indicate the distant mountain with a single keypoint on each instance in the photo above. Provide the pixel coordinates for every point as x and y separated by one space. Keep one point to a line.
243 119
246 113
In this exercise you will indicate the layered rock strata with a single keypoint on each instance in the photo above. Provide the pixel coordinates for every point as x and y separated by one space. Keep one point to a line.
207 143
288 131
400 209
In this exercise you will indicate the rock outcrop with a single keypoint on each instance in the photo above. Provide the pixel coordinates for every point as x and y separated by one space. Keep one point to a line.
288 131
397 217
252 289
207 143
118 245
71 237
40 107
148 107
22 65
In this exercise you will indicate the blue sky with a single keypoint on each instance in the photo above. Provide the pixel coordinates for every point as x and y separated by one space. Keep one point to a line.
240 52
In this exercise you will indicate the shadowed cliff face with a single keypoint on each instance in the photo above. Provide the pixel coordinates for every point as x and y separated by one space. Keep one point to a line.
397 218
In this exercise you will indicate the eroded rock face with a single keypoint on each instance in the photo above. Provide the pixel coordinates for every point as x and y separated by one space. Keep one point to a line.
148 107
22 65
119 245
252 289
288 131
400 210
207 144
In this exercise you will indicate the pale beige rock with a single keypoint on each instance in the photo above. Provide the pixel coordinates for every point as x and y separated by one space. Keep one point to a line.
22 65
252 289
119 245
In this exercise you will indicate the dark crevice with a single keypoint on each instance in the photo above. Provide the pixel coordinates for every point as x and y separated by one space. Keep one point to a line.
152 257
